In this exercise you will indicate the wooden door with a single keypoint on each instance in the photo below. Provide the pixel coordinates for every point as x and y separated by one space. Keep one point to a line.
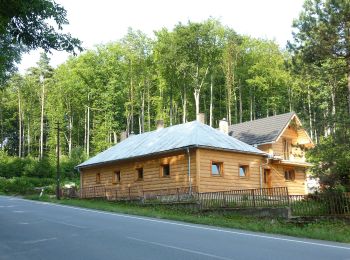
267 178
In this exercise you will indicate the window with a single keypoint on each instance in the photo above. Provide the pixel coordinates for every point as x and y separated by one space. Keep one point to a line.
165 170
98 177
243 170
289 174
139 174
216 168
116 177
286 149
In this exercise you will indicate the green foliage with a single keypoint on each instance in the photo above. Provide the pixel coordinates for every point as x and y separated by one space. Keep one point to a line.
332 161
24 26
25 185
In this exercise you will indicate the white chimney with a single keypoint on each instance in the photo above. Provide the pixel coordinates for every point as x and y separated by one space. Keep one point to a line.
160 124
223 125
201 118
123 136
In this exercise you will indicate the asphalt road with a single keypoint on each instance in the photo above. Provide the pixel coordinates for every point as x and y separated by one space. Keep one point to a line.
36 230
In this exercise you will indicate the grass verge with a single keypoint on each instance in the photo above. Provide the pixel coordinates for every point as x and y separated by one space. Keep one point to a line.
324 229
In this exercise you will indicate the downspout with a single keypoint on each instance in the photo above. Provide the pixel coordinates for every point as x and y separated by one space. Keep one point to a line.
189 170
260 176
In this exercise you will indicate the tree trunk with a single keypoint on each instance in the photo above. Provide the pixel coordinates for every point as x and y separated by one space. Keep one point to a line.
88 132
251 104
1 128
85 128
333 126
171 106
290 99
142 112
349 88
310 112
184 106
70 135
240 102
211 101
19 125
41 146
196 99
28 137
148 108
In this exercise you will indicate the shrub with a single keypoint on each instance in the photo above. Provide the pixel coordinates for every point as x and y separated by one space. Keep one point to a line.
24 185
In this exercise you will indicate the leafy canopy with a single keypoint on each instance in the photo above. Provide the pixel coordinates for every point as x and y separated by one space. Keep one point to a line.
30 24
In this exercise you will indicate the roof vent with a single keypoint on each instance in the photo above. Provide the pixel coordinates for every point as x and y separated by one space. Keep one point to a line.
160 124
201 118
223 125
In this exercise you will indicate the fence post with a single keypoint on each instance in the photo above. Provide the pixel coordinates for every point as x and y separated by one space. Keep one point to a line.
253 198
94 191
288 200
129 194
178 194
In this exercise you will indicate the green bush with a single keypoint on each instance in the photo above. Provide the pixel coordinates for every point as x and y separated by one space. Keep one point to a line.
25 185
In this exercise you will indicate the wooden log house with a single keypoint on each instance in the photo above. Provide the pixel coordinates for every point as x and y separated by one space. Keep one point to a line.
196 156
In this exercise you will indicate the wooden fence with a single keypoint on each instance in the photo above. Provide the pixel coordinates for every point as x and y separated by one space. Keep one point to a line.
322 204
248 198
136 193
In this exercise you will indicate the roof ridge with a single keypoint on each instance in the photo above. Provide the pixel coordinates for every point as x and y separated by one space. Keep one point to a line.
264 118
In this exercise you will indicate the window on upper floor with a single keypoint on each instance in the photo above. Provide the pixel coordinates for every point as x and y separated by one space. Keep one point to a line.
289 174
286 149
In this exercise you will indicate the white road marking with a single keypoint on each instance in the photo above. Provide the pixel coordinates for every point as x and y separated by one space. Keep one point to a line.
191 226
23 223
9 206
18 211
65 223
39 240
179 248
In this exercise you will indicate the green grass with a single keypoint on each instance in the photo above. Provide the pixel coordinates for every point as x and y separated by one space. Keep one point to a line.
332 230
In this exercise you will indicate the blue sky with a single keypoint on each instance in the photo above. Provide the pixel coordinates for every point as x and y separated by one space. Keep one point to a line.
96 22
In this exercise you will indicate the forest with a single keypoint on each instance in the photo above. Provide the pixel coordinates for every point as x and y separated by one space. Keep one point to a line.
197 67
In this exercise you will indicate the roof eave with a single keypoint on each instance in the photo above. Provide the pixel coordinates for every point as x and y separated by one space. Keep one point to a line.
170 151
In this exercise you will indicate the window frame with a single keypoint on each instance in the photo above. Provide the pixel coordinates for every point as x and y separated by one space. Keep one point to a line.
162 170
98 178
221 168
116 177
138 173
247 170
289 170
286 148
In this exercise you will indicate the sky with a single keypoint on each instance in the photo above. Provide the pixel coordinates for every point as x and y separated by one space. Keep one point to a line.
103 21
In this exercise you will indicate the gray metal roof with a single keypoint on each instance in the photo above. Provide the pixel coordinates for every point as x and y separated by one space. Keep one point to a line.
192 134
260 131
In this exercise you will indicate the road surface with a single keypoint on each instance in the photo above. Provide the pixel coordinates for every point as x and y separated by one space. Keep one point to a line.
37 230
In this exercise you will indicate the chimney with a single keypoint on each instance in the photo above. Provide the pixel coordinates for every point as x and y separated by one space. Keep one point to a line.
223 126
201 118
123 136
160 124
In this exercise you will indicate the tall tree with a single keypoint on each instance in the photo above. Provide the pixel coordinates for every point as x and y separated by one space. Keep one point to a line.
27 25
323 32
